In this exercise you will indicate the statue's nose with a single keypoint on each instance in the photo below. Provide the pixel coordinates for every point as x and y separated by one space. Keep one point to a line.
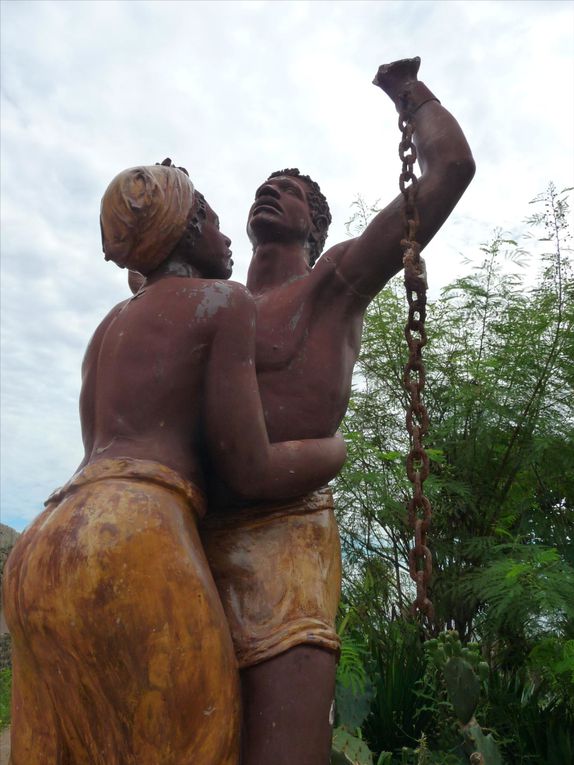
268 190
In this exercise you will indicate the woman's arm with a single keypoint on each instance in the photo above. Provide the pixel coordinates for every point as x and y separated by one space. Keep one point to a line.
235 424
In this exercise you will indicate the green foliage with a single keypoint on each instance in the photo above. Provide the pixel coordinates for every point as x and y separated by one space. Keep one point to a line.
5 691
354 690
554 659
353 695
529 590
349 750
460 672
463 687
476 741
534 724
351 671
500 395
353 705
397 667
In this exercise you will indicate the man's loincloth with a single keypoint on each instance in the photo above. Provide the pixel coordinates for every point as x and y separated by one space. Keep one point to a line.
278 572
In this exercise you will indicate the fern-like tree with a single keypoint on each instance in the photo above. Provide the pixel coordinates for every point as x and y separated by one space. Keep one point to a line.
499 390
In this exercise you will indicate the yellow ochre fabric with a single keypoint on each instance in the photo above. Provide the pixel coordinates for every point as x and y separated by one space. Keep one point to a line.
121 650
278 572
143 215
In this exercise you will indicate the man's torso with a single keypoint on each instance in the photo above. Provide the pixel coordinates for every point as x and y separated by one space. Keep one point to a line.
307 342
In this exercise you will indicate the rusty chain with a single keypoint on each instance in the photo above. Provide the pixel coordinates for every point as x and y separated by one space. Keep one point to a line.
419 509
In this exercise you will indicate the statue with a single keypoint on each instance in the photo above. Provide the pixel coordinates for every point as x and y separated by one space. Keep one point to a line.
122 654
122 650
277 566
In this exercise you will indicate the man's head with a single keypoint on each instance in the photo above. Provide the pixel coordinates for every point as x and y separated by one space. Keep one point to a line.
311 220
149 214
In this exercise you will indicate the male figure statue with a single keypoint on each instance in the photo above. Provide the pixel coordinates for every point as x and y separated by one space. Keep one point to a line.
277 568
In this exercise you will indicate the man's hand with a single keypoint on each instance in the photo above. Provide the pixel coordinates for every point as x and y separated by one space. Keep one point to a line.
366 263
395 77
399 81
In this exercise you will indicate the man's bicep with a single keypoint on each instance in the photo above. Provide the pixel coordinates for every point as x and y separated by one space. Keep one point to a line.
367 262
376 255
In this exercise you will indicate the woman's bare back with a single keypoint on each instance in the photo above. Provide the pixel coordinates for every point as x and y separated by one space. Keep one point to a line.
144 374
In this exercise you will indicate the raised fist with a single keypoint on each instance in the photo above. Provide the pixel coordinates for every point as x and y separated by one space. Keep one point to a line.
393 78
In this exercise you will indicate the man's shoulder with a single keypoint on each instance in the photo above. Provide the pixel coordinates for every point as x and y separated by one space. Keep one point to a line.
321 276
323 284
327 264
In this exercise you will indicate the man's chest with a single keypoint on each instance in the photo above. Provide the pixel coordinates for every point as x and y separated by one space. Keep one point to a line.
305 354
298 326
283 332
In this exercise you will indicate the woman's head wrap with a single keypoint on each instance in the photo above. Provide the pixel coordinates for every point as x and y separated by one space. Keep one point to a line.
144 214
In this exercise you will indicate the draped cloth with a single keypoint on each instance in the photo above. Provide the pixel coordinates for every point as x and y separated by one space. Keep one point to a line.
143 215
278 571
121 650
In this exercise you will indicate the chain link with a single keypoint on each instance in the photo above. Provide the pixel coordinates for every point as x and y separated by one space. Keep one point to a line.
419 511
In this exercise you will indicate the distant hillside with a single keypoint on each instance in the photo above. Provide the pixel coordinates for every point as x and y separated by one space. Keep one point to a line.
7 539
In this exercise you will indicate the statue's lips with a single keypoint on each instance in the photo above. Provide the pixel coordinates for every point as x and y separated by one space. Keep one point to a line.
265 205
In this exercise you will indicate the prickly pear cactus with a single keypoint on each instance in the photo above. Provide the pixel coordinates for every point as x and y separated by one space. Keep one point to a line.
349 750
353 704
463 670
462 686
475 742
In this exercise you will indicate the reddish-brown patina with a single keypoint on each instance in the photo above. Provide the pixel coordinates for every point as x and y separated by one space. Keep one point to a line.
309 322
169 383
122 654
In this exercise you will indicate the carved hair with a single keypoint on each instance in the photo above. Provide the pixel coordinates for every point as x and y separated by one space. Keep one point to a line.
319 208
194 228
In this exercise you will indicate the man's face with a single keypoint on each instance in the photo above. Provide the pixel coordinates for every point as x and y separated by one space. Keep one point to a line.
280 212
211 254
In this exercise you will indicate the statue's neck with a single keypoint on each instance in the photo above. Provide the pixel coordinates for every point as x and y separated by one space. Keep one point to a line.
274 264
174 267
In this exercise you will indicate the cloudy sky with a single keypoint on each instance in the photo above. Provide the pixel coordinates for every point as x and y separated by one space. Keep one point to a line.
234 90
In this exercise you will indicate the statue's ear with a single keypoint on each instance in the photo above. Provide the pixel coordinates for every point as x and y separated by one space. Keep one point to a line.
312 247
320 226
321 223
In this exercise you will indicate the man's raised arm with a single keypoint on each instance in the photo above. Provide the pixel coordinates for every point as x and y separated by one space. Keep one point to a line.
369 261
